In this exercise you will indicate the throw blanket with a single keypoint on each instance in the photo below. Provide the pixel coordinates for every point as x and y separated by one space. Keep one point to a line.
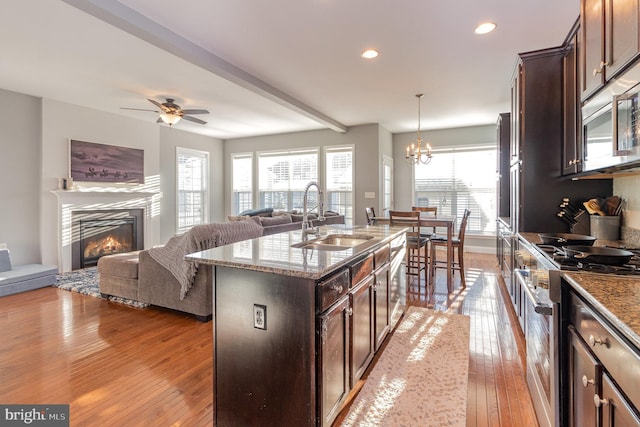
199 238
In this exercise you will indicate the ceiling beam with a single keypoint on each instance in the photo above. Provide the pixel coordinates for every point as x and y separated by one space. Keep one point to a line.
127 19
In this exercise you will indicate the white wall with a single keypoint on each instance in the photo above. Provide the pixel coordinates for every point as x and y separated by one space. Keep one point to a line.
367 158
20 169
627 188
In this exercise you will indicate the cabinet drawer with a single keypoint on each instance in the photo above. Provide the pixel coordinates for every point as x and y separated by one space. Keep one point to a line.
330 290
618 358
361 269
381 256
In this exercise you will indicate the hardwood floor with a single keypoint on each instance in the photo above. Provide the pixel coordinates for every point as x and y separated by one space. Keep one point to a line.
117 365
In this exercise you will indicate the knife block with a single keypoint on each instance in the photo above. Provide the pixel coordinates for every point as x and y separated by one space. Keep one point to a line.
582 225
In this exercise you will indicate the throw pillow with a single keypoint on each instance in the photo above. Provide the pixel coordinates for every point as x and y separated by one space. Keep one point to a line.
238 217
253 212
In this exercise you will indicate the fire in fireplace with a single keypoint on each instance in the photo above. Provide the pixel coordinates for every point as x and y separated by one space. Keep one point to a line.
101 233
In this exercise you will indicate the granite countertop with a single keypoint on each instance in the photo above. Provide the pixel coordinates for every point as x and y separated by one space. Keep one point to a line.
274 254
615 297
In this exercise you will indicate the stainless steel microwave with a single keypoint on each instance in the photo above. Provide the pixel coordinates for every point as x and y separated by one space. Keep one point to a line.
611 125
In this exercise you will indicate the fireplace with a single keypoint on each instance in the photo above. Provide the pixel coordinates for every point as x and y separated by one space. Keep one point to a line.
99 233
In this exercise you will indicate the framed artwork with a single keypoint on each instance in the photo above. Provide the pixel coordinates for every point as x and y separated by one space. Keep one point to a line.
93 162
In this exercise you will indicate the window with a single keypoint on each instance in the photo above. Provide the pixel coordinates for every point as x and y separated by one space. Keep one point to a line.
339 181
282 177
192 188
242 182
459 178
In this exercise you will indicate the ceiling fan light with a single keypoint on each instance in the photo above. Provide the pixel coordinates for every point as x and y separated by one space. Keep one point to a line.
170 118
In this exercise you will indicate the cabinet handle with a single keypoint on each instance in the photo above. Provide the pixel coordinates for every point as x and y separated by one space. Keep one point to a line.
586 381
601 69
350 312
338 288
597 401
593 341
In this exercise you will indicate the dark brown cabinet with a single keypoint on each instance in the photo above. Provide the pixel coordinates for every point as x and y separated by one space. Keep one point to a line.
361 323
503 134
333 360
585 375
572 151
599 370
610 40
381 310
537 185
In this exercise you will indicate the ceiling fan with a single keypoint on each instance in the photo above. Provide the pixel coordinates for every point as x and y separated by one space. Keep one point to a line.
171 113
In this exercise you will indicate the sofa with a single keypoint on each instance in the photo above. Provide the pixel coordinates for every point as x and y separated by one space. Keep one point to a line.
160 276
280 221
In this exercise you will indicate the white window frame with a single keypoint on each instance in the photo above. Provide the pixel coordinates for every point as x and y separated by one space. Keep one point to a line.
234 209
264 154
476 225
203 156
349 214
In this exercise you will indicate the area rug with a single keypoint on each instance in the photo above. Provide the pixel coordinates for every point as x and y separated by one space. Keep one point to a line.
421 376
87 281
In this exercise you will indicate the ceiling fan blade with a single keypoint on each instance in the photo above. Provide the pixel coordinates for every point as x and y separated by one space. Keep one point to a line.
195 111
157 104
139 109
193 119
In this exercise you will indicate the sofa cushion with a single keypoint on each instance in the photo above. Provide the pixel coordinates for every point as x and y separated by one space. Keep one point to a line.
238 217
275 220
254 212
120 265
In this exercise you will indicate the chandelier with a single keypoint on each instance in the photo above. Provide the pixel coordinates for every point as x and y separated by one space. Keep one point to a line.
416 152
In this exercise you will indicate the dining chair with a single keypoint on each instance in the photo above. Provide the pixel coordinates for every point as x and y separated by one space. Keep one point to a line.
417 245
371 214
430 210
458 246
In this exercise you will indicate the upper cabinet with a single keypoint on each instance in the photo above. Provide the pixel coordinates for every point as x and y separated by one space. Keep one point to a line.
572 135
610 40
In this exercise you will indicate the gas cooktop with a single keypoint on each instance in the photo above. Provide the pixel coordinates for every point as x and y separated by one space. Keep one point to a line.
564 262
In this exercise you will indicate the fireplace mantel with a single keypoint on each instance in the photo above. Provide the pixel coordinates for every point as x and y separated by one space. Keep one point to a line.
88 196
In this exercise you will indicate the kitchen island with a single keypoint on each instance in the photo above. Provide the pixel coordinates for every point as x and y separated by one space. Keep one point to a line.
297 321
598 343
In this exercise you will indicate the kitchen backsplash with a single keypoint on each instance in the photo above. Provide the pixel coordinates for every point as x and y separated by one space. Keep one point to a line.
630 236
627 188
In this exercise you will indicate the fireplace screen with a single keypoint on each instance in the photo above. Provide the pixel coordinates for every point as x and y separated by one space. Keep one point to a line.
105 237
101 233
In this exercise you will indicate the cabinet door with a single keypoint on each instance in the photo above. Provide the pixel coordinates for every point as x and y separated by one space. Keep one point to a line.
361 322
621 34
592 27
616 411
584 383
382 320
333 360
572 140
516 115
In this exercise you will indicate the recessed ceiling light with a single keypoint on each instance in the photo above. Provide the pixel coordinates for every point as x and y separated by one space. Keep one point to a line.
370 53
485 27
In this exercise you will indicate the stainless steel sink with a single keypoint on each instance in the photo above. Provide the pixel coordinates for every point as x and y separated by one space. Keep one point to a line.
336 242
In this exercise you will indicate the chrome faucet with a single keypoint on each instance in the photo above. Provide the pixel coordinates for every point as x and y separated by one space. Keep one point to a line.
307 227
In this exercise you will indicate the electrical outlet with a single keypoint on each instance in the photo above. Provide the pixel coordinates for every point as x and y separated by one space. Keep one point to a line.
260 316
369 194
3 246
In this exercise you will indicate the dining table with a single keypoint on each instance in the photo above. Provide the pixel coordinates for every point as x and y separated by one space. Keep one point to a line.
447 222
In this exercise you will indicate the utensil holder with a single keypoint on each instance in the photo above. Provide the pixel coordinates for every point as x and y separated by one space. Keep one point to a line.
605 227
